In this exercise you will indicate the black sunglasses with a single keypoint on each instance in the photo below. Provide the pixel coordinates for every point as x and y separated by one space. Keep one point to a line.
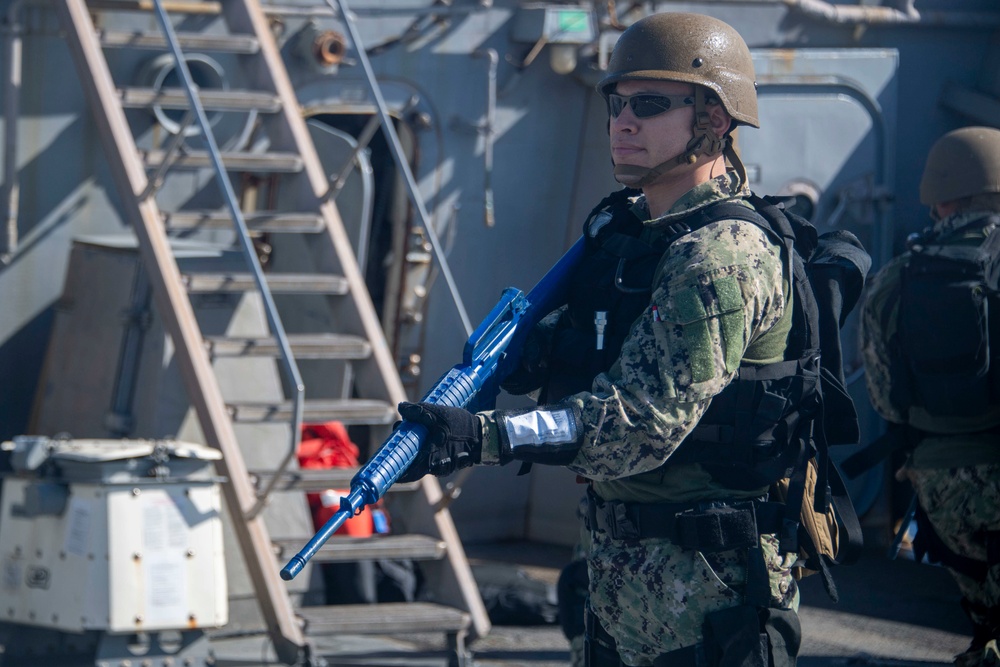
647 105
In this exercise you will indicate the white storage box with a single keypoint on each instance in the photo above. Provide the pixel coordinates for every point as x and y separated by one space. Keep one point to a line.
113 535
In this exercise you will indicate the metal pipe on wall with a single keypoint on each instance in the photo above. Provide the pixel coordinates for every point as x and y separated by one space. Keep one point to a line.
488 130
12 104
867 14
878 15
870 15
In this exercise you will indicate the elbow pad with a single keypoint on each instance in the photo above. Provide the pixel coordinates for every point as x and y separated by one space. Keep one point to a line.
550 435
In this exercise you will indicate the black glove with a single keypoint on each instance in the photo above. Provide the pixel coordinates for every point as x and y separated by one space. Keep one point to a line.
454 440
532 371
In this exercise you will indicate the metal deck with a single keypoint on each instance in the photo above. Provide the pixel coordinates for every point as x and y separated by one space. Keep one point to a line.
891 614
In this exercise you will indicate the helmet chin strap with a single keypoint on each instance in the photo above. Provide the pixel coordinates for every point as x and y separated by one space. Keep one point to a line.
704 142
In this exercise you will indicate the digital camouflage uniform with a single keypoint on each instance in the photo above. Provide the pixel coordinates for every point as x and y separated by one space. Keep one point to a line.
716 290
956 476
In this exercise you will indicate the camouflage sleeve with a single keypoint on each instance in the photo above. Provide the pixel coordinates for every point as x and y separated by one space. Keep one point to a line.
717 289
879 337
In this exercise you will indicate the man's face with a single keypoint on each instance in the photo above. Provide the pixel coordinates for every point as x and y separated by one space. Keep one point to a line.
647 142
944 209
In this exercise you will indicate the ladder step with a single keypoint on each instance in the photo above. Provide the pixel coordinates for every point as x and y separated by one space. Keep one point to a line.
394 617
348 411
304 346
211 99
343 548
279 283
289 163
314 480
194 41
261 221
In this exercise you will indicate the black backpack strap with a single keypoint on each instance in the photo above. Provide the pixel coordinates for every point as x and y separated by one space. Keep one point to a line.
728 210
850 539
798 229
848 550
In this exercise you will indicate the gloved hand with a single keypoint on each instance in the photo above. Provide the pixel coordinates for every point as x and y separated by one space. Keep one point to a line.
532 371
454 439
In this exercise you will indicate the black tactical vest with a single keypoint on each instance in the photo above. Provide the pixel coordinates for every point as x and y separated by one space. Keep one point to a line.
760 427
612 288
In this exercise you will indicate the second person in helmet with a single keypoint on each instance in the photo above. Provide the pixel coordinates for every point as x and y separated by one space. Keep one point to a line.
929 331
680 309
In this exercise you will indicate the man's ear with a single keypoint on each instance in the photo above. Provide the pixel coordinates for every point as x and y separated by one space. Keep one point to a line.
719 119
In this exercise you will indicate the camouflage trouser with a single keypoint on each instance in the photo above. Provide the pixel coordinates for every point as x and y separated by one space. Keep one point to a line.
576 658
652 596
963 504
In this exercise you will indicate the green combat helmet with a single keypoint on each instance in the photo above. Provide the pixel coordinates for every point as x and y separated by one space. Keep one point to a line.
962 163
690 48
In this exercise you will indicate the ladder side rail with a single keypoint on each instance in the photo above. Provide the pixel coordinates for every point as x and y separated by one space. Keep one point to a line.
288 365
179 320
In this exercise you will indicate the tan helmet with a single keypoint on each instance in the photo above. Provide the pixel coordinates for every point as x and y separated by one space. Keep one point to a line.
692 48
961 164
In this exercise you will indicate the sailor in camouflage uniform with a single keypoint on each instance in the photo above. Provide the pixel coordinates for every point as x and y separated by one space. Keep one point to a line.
711 296
932 373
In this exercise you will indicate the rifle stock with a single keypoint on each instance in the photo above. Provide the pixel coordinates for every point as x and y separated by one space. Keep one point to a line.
491 353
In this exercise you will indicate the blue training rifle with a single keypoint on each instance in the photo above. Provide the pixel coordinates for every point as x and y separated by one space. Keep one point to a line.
491 354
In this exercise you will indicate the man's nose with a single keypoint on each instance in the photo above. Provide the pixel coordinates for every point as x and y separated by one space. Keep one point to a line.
624 121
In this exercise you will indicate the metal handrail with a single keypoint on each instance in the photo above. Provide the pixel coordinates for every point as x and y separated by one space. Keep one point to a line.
400 158
288 365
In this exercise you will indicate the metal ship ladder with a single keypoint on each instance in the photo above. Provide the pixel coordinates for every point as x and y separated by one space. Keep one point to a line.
289 153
